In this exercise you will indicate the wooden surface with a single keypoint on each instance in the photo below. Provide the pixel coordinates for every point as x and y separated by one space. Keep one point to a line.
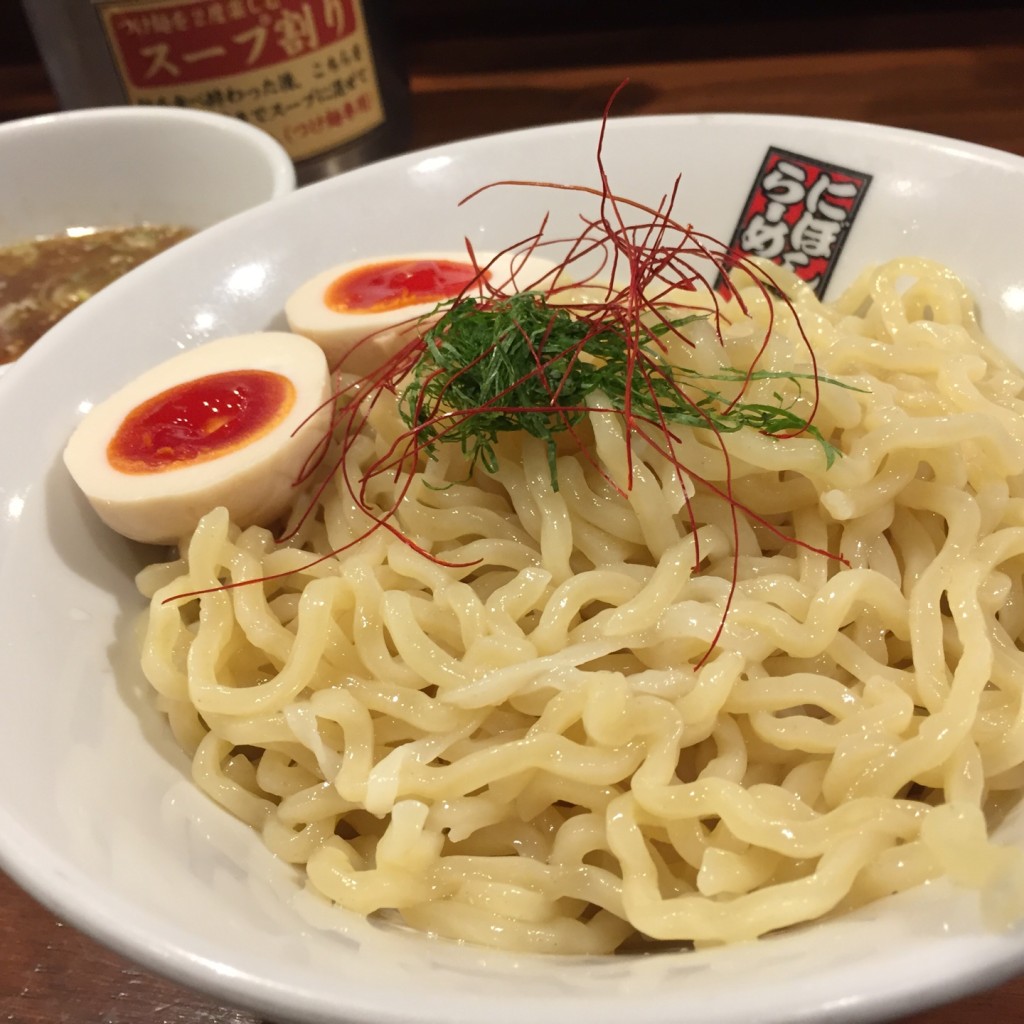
958 74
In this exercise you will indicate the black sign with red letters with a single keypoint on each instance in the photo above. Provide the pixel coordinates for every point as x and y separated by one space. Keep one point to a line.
799 213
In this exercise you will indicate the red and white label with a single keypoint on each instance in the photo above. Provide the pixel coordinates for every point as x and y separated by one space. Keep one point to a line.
799 213
300 69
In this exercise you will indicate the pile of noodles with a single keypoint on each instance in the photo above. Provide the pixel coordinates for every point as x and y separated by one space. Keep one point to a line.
533 739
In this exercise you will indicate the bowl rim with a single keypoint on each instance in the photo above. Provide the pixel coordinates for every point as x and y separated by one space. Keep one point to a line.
263 144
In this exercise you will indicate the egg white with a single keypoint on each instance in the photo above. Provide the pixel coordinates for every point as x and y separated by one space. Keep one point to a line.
255 482
359 343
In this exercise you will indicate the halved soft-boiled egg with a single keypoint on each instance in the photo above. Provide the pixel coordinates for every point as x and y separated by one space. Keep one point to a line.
229 423
361 312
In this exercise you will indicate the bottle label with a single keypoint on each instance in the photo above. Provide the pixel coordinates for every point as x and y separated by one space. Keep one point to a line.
302 70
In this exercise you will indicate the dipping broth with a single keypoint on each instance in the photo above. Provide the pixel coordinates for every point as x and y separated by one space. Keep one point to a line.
43 279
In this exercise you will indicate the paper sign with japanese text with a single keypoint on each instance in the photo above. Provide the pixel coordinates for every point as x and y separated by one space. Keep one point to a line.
302 70
799 213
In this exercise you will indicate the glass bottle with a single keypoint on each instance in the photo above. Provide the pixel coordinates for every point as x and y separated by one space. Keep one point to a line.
324 77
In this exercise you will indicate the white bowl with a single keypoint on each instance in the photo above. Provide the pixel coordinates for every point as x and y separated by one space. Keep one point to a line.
113 166
98 817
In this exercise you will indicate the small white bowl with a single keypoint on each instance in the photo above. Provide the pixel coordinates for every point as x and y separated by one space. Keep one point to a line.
116 166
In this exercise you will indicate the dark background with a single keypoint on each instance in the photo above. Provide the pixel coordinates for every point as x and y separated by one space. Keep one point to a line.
573 32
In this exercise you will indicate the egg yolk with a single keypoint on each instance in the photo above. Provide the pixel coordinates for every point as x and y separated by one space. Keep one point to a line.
199 420
378 287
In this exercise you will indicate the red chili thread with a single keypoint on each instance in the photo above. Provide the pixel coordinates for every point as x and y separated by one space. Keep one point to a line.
657 266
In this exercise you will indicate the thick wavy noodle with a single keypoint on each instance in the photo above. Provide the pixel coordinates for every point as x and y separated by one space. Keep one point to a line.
522 741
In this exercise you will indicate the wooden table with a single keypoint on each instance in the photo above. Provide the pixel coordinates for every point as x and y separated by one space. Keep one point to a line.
954 74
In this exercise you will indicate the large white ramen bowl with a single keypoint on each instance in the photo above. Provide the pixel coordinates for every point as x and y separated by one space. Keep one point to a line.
98 817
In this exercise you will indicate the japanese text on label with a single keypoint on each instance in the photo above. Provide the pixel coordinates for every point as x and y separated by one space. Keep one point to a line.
798 214
302 70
